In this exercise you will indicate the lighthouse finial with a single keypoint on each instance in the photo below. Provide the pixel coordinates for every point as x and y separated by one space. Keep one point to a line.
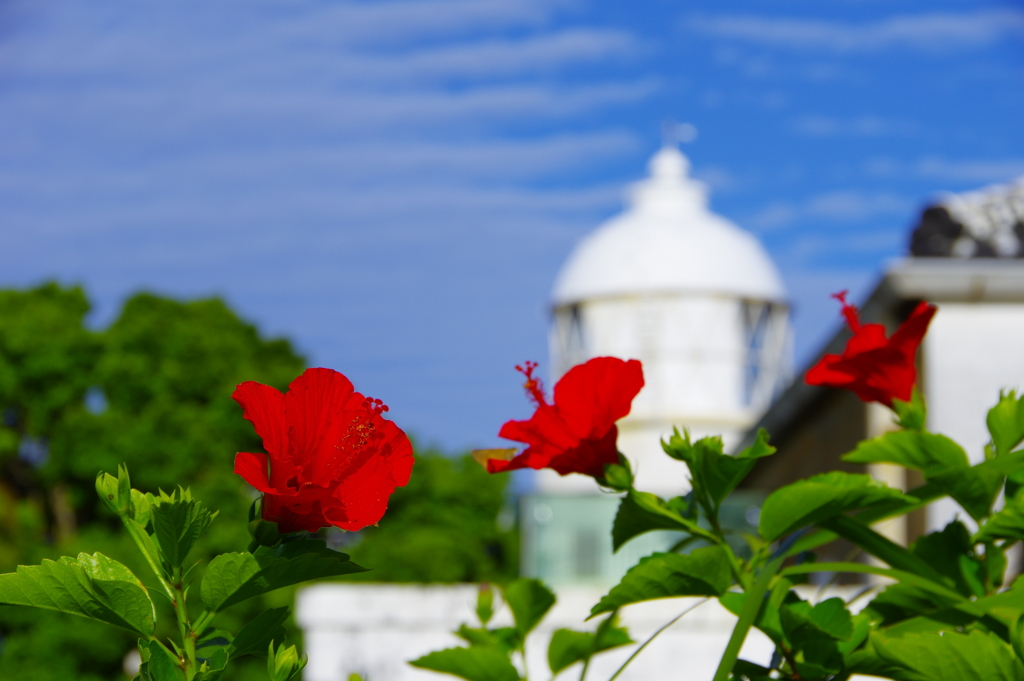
673 134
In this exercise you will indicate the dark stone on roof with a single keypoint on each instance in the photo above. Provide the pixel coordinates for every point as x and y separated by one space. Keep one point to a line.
935 234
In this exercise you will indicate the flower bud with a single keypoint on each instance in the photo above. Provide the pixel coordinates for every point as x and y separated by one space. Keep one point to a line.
284 664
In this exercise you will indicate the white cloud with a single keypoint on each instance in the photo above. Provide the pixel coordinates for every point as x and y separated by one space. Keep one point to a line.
862 126
401 21
931 32
994 170
329 42
833 207
978 171
491 58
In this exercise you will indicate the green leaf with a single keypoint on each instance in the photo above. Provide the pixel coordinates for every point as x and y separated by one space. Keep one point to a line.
568 647
158 663
140 510
211 639
882 547
1014 483
714 473
213 668
937 588
750 671
529 600
820 497
234 577
945 551
948 656
767 619
632 520
704 572
913 414
264 532
820 659
899 602
257 634
178 523
862 626
1006 422
930 453
828 619
974 489
92 586
942 461
610 635
473 664
1007 523
504 638
484 603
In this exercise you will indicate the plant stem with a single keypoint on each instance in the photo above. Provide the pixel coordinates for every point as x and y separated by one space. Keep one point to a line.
139 536
654 635
586 665
748 614
188 636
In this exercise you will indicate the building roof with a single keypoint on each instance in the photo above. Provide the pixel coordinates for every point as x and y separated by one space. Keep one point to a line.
987 223
668 241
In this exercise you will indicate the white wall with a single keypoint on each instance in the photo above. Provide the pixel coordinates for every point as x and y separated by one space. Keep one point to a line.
375 629
971 352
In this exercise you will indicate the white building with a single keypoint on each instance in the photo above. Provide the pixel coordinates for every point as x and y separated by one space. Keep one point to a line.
966 257
700 303
691 295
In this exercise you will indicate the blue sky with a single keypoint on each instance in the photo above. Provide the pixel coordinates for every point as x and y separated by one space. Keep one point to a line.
394 185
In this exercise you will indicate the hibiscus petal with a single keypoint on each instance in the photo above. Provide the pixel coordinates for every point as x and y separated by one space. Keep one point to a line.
590 457
362 498
829 372
544 430
253 469
293 514
399 452
868 337
908 337
314 408
263 406
591 397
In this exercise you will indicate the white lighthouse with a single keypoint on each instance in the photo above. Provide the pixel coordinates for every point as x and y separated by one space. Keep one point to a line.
691 295
700 303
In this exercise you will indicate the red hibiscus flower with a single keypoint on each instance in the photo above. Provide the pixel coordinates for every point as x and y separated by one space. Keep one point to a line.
877 368
332 459
577 432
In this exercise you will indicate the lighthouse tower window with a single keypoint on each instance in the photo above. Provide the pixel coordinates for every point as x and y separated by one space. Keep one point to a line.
569 339
765 335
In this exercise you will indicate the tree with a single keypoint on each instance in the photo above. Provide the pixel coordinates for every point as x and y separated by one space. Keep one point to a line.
153 391
442 527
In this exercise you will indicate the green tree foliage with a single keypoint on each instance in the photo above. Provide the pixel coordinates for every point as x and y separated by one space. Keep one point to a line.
153 391
440 527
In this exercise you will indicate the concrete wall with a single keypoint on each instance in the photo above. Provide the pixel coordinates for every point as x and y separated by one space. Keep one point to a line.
971 352
374 630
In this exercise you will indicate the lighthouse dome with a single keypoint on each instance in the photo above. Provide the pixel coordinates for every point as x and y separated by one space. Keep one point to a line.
668 242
